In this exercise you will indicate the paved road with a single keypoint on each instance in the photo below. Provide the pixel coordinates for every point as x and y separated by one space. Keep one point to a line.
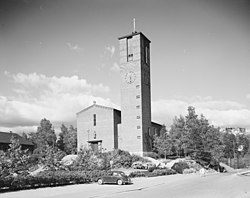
226 185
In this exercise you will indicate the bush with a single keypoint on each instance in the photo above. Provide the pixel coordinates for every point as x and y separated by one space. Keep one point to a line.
160 172
50 178
136 158
151 169
180 166
154 173
137 174
189 171
120 159
194 165
153 155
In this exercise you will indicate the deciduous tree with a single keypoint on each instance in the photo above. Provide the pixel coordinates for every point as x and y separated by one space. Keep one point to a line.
45 135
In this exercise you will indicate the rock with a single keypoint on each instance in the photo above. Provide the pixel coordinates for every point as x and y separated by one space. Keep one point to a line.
69 159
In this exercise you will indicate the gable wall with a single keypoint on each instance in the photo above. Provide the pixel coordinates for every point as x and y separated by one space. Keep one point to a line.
104 128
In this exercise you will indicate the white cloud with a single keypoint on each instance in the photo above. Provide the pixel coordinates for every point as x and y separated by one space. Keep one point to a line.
74 47
248 96
110 50
219 113
115 67
106 57
37 96
55 98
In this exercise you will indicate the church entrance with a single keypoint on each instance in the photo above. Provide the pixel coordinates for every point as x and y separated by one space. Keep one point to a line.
95 145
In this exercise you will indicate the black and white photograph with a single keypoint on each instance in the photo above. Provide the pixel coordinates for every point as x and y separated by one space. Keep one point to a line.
124 98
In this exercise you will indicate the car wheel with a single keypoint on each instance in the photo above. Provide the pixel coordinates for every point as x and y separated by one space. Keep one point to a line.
100 181
119 182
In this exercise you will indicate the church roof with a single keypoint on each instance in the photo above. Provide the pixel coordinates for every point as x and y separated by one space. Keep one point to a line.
5 138
155 123
97 105
109 108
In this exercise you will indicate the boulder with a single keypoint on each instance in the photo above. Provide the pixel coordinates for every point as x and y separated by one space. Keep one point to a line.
69 159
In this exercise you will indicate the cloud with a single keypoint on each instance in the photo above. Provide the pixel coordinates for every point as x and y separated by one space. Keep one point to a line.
110 50
248 96
106 57
219 113
115 67
36 96
75 48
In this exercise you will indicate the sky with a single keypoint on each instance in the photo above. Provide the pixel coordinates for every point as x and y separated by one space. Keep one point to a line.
58 56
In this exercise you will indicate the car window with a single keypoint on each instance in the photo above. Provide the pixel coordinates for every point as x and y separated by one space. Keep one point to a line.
115 174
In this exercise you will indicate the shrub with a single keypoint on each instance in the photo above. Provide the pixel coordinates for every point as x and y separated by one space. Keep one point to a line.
153 155
160 172
120 159
137 174
194 165
180 166
50 178
136 158
151 169
189 171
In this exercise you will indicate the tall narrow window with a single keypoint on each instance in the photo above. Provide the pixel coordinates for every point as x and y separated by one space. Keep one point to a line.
147 54
129 49
94 119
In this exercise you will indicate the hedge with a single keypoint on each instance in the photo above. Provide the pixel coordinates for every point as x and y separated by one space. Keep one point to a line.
137 174
160 172
154 173
48 178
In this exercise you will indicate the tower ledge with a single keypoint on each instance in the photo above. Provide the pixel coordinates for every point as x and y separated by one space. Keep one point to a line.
133 34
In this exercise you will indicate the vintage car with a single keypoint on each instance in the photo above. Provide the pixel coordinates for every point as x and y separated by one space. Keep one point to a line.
114 177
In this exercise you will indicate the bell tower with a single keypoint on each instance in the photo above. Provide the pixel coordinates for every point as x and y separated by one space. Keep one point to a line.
134 134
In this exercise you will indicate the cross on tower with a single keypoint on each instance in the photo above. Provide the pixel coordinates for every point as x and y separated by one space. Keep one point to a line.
134 25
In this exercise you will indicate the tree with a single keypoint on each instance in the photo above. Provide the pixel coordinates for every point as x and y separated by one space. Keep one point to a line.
60 141
68 139
15 160
193 130
193 135
45 135
51 158
242 144
163 144
24 135
228 141
235 146
179 135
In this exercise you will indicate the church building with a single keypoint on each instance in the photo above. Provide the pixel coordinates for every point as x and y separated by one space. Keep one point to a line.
131 129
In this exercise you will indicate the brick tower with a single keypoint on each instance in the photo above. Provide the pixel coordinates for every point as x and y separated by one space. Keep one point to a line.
134 134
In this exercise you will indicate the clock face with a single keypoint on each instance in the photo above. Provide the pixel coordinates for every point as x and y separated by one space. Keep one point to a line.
130 77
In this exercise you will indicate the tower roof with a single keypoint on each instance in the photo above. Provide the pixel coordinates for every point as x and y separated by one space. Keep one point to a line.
133 34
